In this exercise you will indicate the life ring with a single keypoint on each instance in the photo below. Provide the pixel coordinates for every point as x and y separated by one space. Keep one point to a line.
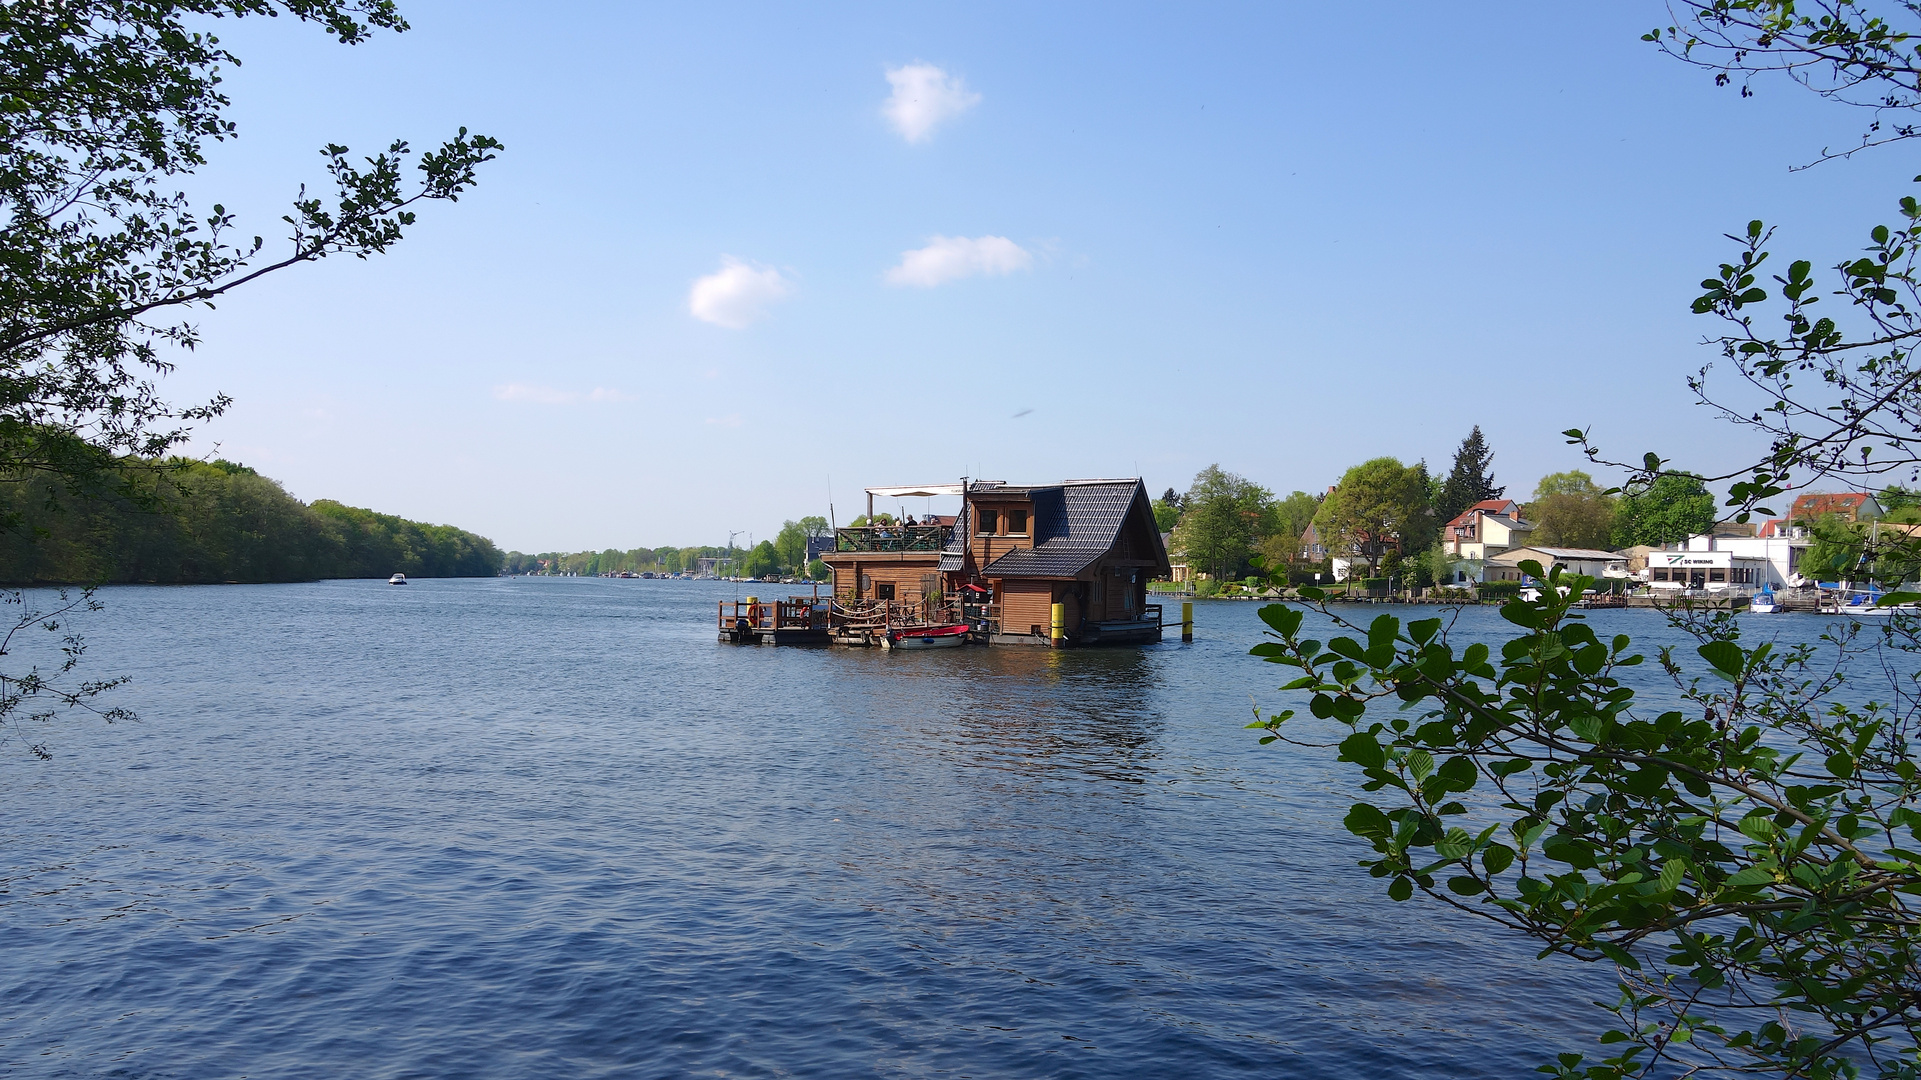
755 613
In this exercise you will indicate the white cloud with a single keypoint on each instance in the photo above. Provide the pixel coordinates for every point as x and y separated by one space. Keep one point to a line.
547 395
949 258
736 294
924 95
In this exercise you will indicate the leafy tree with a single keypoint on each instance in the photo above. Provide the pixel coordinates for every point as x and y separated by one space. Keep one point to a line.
1226 516
1470 480
814 526
105 105
1671 509
1745 849
1376 503
1571 510
1166 515
1744 860
790 546
818 570
761 561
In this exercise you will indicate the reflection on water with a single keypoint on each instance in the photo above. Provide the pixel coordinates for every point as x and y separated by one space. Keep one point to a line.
513 828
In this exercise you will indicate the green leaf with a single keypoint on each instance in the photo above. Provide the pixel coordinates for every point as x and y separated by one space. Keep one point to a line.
1726 656
1464 886
1671 873
1400 889
1457 843
1420 763
1364 750
1753 875
1496 858
1367 821
1285 620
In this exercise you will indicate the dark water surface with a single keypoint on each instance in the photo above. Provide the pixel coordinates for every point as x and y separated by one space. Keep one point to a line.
550 828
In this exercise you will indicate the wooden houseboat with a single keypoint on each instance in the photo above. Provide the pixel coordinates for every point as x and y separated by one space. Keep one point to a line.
1044 564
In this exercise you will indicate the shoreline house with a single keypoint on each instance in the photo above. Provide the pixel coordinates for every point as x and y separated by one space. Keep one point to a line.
1480 532
1015 551
1595 563
1810 506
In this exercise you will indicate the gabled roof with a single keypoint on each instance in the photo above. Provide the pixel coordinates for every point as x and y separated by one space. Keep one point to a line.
1817 503
1516 555
1513 523
1503 507
1076 523
954 555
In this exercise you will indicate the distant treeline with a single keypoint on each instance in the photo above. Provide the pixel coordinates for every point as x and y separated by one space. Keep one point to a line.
189 522
666 560
786 553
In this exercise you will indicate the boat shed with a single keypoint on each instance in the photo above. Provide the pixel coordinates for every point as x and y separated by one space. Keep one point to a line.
1089 545
1012 553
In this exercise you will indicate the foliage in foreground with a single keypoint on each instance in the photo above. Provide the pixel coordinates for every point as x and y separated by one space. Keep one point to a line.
1749 861
191 522
104 106
32 699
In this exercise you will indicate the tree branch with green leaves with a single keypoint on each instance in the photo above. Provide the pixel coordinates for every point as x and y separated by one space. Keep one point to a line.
1749 862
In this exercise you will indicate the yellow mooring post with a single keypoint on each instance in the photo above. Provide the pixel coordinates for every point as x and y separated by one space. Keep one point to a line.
1059 632
1187 622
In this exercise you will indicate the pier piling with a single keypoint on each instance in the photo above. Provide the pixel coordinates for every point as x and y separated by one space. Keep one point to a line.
1187 622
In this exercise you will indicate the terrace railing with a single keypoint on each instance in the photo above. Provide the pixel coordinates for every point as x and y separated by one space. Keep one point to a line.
893 538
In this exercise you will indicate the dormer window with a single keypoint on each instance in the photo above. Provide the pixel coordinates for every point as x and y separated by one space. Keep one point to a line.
1017 522
990 522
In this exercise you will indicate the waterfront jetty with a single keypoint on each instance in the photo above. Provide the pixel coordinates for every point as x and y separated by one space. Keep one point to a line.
1049 565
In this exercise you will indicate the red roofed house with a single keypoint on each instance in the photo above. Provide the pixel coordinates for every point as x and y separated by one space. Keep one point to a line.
1847 505
1489 527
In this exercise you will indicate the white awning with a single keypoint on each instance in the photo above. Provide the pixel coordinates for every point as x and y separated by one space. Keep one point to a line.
928 490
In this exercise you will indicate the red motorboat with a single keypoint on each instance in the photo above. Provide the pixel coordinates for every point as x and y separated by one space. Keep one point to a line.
927 637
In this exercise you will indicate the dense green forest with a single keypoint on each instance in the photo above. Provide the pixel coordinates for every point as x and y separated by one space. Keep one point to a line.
187 522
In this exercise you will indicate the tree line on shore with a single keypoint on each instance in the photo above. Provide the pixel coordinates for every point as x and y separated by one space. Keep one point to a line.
785 555
1391 516
179 521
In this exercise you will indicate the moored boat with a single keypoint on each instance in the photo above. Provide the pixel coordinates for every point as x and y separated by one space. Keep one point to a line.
397 579
1762 603
930 637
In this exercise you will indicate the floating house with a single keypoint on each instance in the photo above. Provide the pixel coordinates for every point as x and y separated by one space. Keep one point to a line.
1035 564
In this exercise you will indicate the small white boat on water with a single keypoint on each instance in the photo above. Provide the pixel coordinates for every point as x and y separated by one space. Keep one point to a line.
397 579
1762 603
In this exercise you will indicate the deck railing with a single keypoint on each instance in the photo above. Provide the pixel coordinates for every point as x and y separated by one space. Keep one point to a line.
893 538
868 615
793 613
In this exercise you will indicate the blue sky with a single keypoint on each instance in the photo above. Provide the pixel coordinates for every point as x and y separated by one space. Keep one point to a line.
1280 238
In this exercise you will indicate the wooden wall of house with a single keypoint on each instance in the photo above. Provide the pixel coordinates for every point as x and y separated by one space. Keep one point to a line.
910 580
985 549
1025 605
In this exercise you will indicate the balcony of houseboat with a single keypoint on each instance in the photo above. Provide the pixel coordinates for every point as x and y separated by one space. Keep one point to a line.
893 538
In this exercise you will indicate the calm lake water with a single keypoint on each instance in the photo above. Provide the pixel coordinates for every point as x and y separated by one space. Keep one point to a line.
548 827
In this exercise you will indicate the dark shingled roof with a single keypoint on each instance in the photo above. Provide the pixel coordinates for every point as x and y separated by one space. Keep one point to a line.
952 556
1074 524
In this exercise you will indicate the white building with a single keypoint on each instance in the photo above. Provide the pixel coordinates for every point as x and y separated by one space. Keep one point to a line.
1744 563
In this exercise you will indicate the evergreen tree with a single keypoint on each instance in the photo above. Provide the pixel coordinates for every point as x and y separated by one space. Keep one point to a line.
1471 480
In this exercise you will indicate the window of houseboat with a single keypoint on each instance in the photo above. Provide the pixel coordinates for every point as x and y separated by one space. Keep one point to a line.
1016 522
884 591
990 522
